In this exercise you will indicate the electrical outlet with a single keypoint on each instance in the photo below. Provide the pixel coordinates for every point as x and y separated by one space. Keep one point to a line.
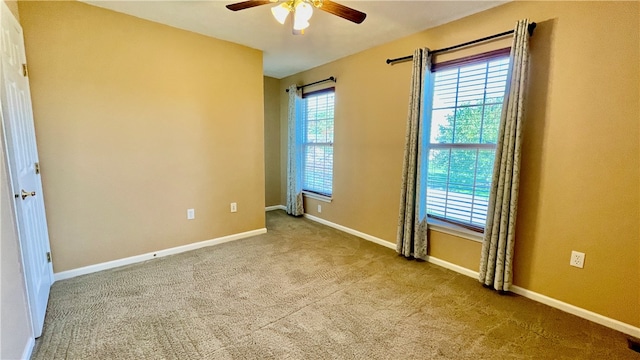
319 208
577 259
234 207
191 214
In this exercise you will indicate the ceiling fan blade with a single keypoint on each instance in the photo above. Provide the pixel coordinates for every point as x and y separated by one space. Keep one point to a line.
247 4
344 12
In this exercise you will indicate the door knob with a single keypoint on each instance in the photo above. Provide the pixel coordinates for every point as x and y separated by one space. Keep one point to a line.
27 194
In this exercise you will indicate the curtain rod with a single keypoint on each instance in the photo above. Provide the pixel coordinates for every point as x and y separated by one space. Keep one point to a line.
317 82
531 27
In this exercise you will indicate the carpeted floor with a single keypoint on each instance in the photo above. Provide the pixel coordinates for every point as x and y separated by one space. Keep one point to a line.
305 291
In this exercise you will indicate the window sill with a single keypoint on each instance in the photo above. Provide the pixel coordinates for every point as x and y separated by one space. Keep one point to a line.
315 196
451 229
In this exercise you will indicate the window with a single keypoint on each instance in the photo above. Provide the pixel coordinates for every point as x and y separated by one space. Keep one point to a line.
466 110
317 142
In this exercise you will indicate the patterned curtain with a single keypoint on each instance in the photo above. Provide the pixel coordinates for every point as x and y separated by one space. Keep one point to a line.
294 155
412 222
497 246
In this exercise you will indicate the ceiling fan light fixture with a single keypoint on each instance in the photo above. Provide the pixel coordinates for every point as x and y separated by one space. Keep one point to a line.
281 12
303 11
300 25
302 14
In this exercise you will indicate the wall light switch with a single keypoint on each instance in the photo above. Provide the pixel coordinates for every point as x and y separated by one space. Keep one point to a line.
319 208
191 214
234 207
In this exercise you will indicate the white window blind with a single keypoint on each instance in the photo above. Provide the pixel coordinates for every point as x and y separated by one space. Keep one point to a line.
467 106
317 145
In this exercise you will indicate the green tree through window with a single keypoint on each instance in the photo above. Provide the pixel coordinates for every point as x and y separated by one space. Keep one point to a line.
464 126
317 144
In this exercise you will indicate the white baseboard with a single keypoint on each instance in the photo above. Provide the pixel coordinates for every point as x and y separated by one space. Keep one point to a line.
357 233
457 268
577 311
571 309
153 255
275 207
28 349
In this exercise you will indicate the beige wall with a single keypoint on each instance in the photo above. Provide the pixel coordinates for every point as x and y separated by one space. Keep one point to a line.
272 141
580 181
15 323
136 122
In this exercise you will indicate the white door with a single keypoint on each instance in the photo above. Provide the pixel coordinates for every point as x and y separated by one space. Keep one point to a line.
22 156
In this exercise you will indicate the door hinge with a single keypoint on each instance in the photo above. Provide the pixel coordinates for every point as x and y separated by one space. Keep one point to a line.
25 71
48 256
37 167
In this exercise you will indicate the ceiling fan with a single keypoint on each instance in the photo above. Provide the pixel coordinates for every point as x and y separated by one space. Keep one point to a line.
302 11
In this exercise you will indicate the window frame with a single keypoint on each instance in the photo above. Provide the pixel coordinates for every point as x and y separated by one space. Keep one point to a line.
304 144
442 224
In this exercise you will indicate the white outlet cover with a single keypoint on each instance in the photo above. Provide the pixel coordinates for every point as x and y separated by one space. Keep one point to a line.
234 207
191 214
577 259
319 208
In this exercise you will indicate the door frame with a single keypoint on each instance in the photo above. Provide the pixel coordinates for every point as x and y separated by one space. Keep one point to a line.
5 13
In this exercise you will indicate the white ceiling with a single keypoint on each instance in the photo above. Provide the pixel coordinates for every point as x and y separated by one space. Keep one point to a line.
327 39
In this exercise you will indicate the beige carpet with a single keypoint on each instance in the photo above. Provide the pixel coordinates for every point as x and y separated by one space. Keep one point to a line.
305 291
